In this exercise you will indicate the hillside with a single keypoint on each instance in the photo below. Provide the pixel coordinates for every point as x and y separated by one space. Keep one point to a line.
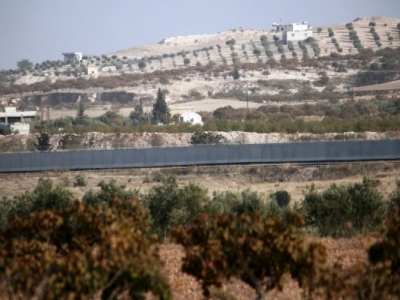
191 68
232 46
205 48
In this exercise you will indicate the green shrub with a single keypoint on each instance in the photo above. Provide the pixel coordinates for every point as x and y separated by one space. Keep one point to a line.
109 192
170 205
142 64
207 138
69 142
43 142
80 181
65 181
345 210
82 253
156 140
282 198
235 202
43 197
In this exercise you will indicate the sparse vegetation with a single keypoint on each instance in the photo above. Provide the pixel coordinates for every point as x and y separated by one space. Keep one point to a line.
207 138
240 235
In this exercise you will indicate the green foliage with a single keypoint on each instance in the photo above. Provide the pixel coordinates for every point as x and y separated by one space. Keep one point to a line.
43 142
80 253
108 193
257 252
186 61
245 201
25 64
290 46
138 117
349 26
43 197
80 181
345 210
282 198
235 74
80 112
374 66
156 140
160 112
68 142
230 42
205 137
142 64
170 205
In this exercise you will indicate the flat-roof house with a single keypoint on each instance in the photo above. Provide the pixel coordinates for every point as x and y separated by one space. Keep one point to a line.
191 117
17 120
72 57
294 31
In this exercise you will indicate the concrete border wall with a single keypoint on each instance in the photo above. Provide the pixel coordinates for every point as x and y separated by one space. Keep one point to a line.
334 151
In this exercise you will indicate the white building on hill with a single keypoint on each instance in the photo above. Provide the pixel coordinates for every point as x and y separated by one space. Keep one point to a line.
294 31
72 57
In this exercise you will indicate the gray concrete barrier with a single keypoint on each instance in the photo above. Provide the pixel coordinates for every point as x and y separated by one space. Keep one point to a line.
202 155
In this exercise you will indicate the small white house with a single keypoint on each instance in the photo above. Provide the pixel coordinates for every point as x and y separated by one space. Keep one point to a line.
294 31
190 117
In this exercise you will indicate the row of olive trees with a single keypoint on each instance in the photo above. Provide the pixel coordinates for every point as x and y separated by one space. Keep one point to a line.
101 245
341 210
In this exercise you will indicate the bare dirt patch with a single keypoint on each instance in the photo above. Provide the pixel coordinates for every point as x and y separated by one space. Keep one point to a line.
344 251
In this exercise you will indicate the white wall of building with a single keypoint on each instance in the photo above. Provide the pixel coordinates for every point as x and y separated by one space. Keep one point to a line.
22 128
92 70
297 35
294 31
191 117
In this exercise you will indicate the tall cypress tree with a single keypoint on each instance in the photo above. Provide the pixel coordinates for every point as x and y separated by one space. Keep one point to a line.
80 112
160 109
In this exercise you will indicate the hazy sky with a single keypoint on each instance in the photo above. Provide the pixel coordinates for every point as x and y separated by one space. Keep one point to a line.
41 30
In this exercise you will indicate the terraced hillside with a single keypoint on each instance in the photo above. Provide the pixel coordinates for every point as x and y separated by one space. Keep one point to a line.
239 45
182 67
228 47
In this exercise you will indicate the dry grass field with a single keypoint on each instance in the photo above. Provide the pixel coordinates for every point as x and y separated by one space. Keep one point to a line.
265 179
